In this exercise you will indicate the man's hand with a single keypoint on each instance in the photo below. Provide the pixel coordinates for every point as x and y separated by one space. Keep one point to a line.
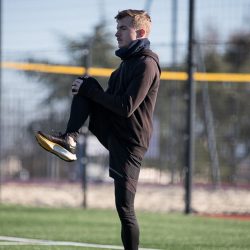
77 84
86 86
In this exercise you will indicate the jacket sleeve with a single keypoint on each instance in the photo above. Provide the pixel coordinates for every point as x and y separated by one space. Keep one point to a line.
138 87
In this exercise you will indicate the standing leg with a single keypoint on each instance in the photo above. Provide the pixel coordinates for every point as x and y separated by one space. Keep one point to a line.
124 200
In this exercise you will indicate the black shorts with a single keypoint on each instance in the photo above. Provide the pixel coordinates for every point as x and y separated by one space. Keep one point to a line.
124 166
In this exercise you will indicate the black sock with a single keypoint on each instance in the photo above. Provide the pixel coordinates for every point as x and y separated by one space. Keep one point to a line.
79 113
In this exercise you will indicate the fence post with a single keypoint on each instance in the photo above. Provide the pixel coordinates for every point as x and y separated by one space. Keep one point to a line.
82 141
190 113
1 102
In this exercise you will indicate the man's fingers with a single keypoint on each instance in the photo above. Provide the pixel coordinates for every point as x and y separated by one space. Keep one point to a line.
79 81
76 85
74 91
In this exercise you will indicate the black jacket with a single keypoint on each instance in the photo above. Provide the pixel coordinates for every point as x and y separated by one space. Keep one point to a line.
131 97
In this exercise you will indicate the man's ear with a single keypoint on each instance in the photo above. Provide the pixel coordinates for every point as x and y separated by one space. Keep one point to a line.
140 33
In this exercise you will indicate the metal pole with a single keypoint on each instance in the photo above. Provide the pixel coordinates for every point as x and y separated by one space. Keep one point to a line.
174 31
83 165
173 99
1 102
82 140
87 56
148 5
209 123
190 113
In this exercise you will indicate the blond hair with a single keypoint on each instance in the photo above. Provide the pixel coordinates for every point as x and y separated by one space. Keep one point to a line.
140 19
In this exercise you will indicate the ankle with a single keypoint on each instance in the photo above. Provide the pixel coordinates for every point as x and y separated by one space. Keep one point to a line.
73 135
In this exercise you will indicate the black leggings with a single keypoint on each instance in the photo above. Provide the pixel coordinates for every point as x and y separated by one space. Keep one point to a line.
81 109
124 200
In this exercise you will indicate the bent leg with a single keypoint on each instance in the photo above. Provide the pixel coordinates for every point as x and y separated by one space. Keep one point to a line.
80 110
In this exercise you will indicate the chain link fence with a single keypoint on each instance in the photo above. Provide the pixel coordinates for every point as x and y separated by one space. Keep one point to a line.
221 177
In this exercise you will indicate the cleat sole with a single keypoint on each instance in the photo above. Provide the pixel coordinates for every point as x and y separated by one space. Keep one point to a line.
55 148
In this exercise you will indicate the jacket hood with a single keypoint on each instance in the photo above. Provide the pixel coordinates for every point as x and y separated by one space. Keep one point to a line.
149 52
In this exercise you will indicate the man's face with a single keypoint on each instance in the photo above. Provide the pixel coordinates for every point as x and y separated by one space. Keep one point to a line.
126 33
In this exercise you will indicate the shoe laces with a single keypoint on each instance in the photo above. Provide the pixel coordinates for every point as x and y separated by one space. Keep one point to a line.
58 134
64 136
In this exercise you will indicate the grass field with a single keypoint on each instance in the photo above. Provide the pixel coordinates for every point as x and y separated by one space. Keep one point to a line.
162 231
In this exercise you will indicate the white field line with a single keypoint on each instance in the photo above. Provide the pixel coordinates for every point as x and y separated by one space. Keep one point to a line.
14 243
6 240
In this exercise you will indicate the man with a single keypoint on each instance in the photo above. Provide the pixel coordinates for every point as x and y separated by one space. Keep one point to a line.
120 117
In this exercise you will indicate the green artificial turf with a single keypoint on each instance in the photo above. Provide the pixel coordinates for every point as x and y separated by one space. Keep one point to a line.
158 230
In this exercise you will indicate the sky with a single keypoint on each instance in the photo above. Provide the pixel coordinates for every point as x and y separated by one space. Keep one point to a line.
32 27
